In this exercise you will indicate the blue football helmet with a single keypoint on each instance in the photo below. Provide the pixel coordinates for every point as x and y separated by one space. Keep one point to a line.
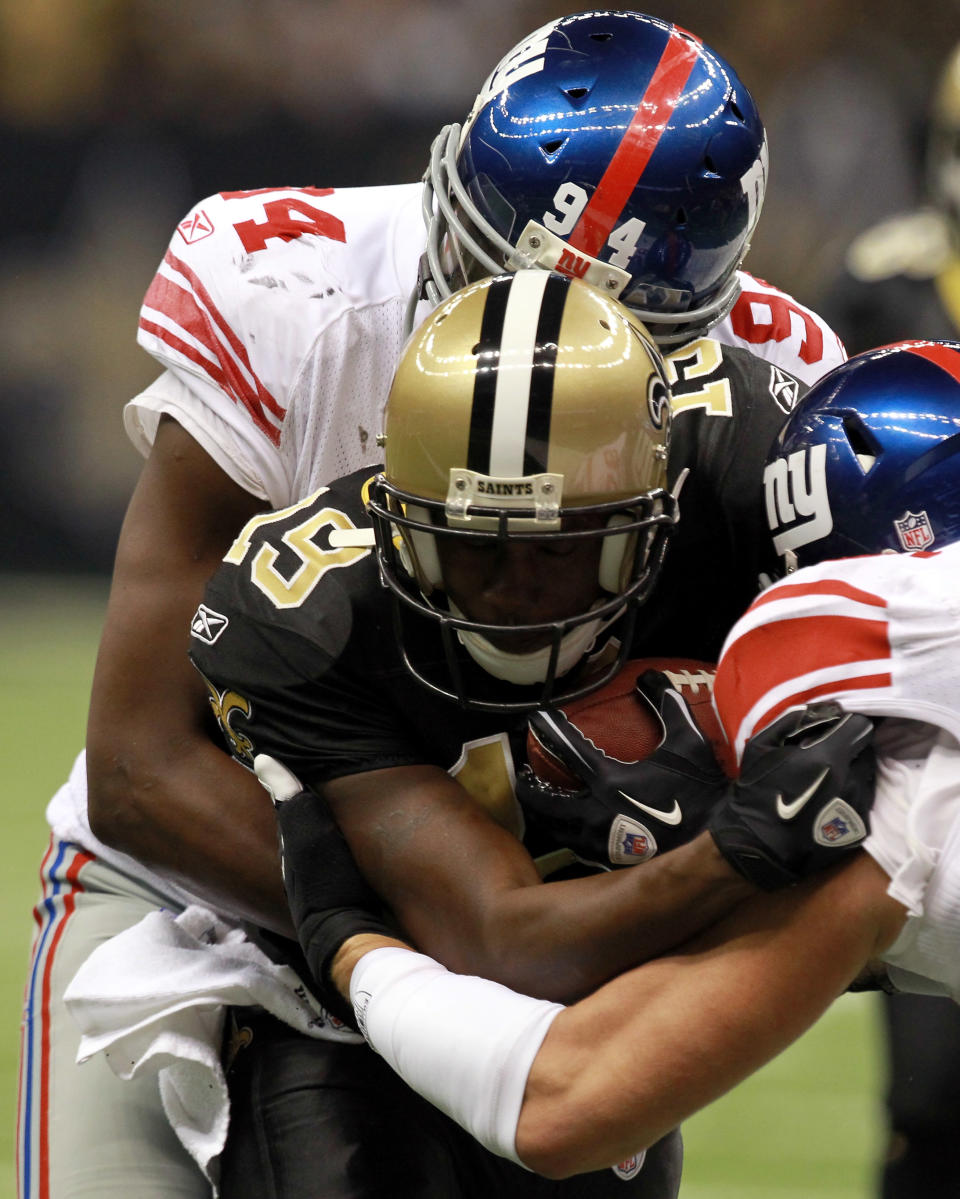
869 460
609 146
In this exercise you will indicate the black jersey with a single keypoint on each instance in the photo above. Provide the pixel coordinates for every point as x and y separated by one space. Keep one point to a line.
296 636
728 407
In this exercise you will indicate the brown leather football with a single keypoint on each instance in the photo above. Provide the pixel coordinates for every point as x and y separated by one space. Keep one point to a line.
620 722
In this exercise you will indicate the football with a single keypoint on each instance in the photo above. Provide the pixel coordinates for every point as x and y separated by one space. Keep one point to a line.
619 721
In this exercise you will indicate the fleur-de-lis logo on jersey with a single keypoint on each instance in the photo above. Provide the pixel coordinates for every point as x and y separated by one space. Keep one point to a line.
227 706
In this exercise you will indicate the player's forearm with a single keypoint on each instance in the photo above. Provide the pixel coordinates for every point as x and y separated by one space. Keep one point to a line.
580 933
348 957
698 1021
195 816
562 940
693 890
465 891
158 788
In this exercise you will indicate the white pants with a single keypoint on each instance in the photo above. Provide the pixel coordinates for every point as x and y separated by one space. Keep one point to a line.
82 1133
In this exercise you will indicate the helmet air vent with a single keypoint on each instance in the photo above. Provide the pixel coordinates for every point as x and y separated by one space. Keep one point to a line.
551 149
736 110
861 440
680 218
601 37
577 95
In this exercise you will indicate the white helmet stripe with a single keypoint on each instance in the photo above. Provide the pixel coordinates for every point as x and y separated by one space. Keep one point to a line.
514 377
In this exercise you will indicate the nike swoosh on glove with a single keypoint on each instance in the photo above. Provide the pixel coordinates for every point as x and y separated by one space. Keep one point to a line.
625 812
803 797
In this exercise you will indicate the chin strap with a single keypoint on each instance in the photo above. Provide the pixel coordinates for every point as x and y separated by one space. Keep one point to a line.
529 668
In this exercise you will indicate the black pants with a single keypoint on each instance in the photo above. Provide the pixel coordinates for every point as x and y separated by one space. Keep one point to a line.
321 1120
923 1098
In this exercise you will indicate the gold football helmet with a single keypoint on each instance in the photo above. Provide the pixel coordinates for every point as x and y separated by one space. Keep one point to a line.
528 407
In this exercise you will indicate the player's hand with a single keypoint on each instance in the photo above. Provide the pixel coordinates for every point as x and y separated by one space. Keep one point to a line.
625 812
803 797
329 899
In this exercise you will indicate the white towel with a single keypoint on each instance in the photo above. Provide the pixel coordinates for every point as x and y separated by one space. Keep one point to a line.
154 997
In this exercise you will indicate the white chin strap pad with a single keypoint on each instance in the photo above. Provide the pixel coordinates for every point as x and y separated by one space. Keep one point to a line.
526 669
465 1044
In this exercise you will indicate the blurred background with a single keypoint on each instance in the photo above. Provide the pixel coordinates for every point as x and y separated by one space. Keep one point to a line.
117 115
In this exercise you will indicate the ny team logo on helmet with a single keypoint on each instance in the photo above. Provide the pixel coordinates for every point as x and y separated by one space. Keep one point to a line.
609 146
870 458
528 407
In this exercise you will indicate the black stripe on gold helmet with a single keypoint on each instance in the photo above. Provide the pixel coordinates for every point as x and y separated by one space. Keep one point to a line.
528 409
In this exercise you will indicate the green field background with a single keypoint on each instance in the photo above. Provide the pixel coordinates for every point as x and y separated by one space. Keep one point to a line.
807 1125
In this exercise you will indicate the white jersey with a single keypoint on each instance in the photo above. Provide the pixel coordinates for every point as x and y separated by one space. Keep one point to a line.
881 636
278 317
775 327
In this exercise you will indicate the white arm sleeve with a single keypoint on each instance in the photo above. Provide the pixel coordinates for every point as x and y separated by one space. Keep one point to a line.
466 1044
232 443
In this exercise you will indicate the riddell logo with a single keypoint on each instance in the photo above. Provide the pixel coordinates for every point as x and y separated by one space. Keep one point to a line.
572 264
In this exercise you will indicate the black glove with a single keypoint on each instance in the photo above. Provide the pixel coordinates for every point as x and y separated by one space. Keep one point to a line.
626 811
328 897
803 797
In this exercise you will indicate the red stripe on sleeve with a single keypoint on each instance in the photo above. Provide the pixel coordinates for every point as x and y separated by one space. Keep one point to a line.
820 587
201 321
224 375
865 682
234 342
775 654
652 115
179 305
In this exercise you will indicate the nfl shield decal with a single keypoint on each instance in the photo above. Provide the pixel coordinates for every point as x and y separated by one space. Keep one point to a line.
630 1168
630 842
838 824
914 531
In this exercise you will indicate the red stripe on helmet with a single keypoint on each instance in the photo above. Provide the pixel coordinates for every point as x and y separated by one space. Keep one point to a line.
653 112
943 356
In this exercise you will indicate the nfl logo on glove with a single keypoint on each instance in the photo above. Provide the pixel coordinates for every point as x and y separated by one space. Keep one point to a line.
630 842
